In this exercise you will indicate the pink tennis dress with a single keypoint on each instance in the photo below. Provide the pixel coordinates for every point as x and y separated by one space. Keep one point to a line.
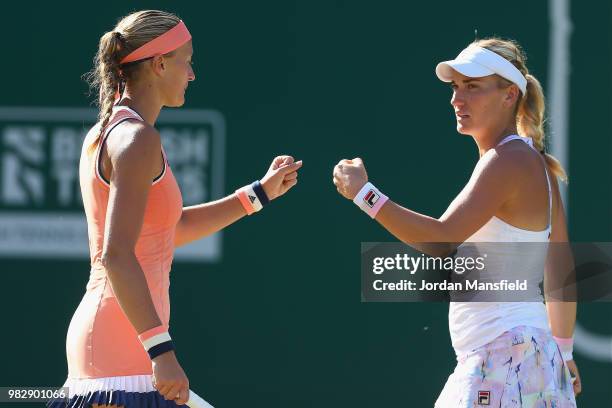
107 364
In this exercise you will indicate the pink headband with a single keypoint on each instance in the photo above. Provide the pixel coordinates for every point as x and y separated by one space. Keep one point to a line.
165 43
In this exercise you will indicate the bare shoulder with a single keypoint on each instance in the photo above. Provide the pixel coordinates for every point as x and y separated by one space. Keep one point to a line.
499 162
134 140
507 161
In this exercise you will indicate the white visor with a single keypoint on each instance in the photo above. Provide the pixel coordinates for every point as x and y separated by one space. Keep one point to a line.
476 62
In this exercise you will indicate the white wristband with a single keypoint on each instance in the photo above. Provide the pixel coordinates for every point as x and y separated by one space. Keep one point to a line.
252 196
567 355
156 341
370 199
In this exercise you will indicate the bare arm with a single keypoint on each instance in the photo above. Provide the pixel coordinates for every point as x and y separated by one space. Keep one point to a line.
134 155
558 272
201 220
471 209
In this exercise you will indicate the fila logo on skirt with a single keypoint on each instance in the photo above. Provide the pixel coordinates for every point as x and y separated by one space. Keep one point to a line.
484 397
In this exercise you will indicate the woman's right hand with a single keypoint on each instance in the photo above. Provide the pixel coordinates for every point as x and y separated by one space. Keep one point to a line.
573 369
349 177
281 176
169 379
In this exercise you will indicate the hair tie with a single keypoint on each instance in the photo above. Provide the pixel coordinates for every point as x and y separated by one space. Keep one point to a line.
543 152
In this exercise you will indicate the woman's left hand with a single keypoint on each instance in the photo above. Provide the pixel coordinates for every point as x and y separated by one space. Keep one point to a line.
349 177
281 176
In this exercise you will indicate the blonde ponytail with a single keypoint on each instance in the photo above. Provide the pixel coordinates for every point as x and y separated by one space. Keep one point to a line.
531 107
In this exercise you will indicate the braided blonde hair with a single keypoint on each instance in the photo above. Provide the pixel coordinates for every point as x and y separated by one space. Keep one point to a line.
108 76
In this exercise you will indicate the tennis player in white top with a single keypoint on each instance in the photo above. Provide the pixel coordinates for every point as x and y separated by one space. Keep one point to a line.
510 354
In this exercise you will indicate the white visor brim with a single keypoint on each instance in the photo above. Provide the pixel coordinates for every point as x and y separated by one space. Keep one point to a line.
476 62
444 70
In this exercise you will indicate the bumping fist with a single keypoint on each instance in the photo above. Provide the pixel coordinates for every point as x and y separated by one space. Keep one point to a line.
349 177
281 176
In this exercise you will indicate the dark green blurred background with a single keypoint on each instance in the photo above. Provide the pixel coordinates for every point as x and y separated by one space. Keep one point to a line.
279 322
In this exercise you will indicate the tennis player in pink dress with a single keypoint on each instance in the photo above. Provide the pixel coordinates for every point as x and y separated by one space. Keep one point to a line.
118 345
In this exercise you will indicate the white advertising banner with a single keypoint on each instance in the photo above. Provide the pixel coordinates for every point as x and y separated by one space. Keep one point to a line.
41 214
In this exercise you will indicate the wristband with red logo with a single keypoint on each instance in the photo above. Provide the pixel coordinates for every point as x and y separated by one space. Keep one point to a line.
370 199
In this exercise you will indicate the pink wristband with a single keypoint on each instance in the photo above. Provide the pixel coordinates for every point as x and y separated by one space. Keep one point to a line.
564 341
244 200
156 341
146 335
566 346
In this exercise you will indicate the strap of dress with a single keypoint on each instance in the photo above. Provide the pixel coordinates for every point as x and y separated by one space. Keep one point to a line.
120 114
507 139
549 197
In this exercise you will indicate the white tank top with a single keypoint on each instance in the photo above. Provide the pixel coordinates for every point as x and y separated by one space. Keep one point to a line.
474 324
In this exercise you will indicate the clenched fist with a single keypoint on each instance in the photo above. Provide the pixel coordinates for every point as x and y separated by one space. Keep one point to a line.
281 176
349 177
